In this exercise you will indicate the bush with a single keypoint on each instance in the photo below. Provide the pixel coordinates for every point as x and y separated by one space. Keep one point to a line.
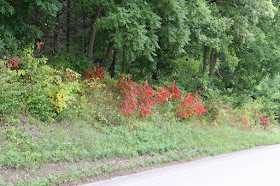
143 98
39 105
268 92
30 85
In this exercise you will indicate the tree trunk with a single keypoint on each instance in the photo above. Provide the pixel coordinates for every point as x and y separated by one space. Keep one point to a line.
113 66
206 51
155 75
123 60
213 59
93 33
84 35
141 73
68 18
56 35
128 66
108 55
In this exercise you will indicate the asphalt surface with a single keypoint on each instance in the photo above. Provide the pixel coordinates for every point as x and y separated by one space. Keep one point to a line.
258 166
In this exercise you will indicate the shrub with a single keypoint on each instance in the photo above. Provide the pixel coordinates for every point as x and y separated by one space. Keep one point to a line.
12 91
144 98
189 106
136 96
97 72
30 85
38 105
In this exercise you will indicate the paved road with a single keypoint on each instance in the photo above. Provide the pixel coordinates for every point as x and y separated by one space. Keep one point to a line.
254 167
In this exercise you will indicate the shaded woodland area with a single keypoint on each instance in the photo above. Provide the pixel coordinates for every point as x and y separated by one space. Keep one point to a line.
142 37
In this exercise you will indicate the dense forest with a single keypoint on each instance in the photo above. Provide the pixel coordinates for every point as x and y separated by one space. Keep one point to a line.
235 43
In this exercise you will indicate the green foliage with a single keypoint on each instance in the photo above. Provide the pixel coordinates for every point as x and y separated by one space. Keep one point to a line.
11 91
211 28
174 31
186 72
73 60
29 61
212 104
37 88
132 26
39 105
268 93
16 24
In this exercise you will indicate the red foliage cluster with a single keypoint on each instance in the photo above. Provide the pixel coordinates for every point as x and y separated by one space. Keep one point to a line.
265 121
39 45
144 98
189 106
163 95
244 119
225 106
167 93
136 97
218 118
13 62
98 72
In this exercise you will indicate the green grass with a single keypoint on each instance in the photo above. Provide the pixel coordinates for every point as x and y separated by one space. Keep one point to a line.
29 146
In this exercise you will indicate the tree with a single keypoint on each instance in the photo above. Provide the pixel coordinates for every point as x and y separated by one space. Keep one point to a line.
249 43
130 27
93 33
21 20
